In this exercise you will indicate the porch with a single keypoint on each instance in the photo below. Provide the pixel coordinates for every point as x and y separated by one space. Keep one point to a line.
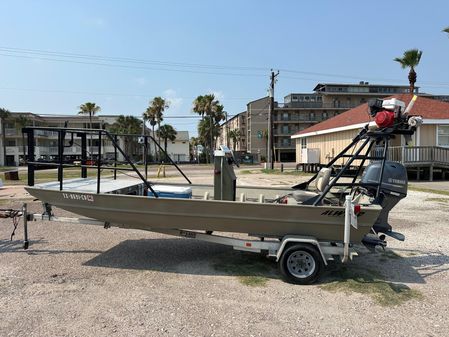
422 161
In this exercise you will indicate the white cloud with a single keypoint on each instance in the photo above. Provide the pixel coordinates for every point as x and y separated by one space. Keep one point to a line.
176 102
217 93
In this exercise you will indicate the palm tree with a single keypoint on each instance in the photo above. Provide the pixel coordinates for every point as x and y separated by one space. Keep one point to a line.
4 114
446 30
235 137
167 132
89 109
410 60
21 122
127 125
193 146
155 113
208 106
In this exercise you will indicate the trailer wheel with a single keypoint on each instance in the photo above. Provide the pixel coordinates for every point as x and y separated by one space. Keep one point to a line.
300 264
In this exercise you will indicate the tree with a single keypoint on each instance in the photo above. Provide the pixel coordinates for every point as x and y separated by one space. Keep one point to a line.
4 115
446 30
235 137
89 109
155 113
21 122
410 60
127 125
209 107
193 147
167 132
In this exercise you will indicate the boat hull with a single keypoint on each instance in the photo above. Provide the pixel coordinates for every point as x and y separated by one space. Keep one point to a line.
264 219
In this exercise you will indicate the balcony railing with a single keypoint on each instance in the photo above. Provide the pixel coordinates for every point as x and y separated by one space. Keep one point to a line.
417 154
300 118
318 105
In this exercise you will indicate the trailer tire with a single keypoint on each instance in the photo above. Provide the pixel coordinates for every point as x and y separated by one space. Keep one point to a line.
300 264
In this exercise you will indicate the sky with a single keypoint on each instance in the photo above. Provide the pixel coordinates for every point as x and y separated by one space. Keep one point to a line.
56 55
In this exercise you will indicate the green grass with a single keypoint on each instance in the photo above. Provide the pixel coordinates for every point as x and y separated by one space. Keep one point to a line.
428 190
443 200
250 269
7 168
275 171
368 282
44 176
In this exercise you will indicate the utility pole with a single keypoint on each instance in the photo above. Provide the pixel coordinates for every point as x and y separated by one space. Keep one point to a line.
270 152
227 129
211 140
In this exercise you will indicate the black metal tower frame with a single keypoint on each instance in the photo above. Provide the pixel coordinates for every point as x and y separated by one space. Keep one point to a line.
99 166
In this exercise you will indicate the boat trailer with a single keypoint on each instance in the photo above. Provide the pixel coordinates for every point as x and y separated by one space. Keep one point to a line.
301 259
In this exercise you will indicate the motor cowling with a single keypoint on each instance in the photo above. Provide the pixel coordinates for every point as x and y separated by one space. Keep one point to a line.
393 188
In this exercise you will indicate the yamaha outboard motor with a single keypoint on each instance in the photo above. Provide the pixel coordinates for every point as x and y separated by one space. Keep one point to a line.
392 189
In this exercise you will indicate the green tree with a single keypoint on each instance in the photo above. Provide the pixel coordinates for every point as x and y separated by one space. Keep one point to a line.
89 109
155 113
235 137
211 111
446 30
127 125
22 121
167 132
4 115
410 60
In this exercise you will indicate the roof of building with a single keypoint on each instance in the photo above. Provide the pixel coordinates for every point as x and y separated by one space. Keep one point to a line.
360 84
429 109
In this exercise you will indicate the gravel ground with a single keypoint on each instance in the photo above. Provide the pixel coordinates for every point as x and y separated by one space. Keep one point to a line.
80 280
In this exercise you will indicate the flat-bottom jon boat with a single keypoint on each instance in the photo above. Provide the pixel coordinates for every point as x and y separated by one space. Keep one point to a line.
124 203
305 225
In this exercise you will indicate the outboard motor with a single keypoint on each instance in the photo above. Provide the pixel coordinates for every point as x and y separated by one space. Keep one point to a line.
392 189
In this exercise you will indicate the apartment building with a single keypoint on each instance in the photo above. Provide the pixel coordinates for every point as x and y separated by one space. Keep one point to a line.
236 123
302 110
47 141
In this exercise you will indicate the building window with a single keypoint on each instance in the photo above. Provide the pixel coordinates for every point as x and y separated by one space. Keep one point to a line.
312 116
443 135
303 143
285 129
324 114
10 143
285 116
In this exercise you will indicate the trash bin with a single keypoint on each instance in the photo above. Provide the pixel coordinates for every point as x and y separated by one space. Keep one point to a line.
12 175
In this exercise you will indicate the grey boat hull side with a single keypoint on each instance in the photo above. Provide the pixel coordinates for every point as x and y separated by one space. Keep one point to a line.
140 212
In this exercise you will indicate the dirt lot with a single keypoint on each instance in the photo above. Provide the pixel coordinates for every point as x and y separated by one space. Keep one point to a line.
80 280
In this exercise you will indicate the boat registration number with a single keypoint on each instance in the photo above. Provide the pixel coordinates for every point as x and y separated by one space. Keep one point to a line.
82 197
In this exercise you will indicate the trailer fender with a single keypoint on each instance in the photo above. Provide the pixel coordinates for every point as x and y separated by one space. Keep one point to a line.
299 239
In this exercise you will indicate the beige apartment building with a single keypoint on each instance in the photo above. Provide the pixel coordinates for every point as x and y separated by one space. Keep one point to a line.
238 123
47 141
302 110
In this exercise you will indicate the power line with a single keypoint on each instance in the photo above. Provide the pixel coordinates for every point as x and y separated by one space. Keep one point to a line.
105 93
132 67
74 58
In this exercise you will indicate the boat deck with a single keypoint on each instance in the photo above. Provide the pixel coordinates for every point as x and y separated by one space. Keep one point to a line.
107 185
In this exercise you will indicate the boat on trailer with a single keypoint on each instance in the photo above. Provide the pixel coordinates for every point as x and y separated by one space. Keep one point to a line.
302 227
